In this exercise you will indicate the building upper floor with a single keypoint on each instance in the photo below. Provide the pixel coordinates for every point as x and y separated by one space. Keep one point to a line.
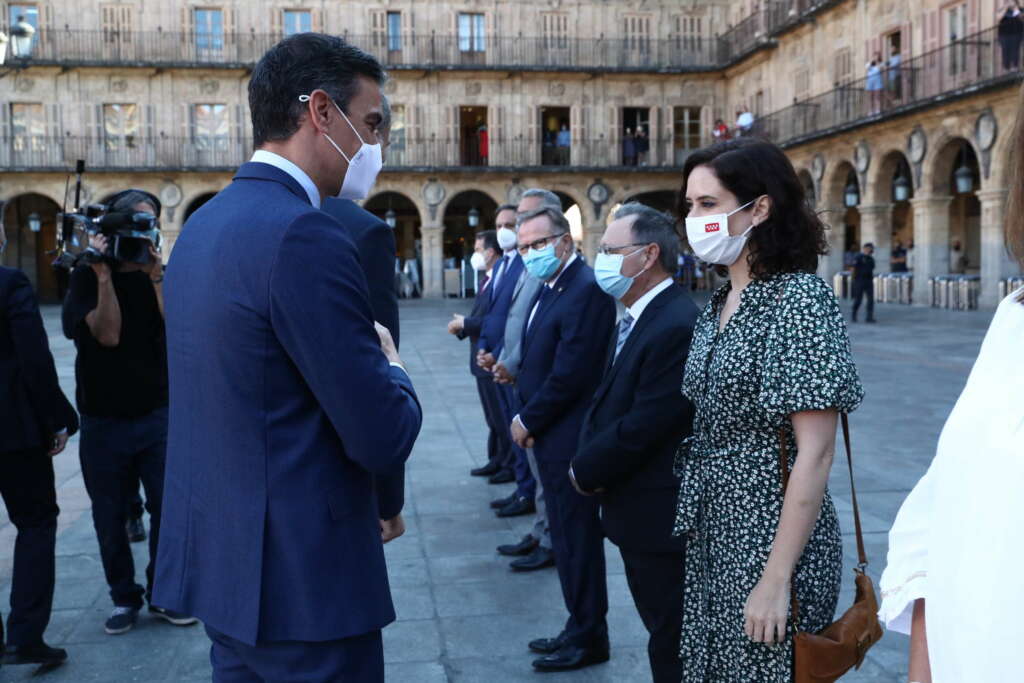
550 35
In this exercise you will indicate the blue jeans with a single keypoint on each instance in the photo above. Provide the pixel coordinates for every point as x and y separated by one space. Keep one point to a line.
115 454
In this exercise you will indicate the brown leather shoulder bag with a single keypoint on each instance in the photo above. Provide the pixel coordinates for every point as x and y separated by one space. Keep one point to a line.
825 656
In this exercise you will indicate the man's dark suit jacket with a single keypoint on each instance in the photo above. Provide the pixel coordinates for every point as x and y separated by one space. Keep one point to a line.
563 353
635 424
492 332
472 324
34 407
376 244
282 410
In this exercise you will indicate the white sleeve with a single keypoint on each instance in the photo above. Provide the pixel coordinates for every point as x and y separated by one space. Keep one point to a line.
905 578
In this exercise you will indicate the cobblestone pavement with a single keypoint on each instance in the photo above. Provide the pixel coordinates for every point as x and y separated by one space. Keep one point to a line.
462 615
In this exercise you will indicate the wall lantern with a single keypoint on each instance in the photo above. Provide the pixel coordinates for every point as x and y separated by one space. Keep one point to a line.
964 179
901 188
851 195
390 218
474 217
35 224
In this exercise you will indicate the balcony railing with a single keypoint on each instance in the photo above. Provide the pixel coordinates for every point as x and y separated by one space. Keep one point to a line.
39 153
962 67
72 47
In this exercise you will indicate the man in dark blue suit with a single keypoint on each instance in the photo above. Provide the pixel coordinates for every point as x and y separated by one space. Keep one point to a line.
485 256
564 345
35 423
285 399
638 419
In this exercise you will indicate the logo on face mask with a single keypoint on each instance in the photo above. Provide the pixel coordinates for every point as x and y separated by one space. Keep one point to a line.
711 227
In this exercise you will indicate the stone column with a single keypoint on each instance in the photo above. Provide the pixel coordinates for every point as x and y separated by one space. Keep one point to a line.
996 263
592 233
832 262
931 242
876 227
433 255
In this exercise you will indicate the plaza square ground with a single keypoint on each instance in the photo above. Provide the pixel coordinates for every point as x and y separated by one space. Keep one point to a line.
462 615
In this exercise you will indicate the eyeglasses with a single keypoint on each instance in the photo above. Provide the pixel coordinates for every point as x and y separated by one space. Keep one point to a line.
537 244
605 249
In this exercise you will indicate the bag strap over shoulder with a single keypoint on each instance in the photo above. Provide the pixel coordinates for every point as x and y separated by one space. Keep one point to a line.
784 476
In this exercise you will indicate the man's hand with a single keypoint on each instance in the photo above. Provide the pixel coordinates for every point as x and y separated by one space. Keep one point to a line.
155 268
387 344
456 324
60 440
390 529
520 436
484 360
101 268
502 375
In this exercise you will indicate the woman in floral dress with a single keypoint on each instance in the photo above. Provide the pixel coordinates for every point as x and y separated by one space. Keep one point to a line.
770 354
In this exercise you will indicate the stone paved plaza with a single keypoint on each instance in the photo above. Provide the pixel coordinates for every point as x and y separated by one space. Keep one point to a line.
462 615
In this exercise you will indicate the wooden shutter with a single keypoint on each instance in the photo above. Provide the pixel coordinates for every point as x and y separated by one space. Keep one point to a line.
188 40
706 122
497 145
316 20
277 23
613 149
415 145
578 135
378 29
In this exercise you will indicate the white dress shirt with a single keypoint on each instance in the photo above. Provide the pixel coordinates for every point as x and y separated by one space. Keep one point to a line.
277 161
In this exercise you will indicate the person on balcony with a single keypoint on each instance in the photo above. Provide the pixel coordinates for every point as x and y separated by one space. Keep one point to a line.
629 148
1010 31
563 142
744 123
643 146
873 84
721 131
894 77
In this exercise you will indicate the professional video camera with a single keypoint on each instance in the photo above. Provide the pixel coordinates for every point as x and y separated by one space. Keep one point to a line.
129 233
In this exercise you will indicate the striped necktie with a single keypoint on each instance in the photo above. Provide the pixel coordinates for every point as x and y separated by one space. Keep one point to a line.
625 325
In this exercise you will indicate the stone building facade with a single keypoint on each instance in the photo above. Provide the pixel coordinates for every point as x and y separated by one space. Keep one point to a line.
491 97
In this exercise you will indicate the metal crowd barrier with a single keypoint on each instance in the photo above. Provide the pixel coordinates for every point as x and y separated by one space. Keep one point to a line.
1009 286
894 288
842 284
955 292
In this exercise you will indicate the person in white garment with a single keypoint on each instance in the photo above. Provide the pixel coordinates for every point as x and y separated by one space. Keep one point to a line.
953 580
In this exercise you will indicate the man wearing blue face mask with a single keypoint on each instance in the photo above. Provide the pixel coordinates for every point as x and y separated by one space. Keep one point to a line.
286 401
638 418
564 340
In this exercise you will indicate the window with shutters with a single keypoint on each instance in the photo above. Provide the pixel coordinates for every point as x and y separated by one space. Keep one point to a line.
121 126
28 126
686 32
802 83
394 31
210 126
956 31
843 66
378 29
637 32
396 138
471 32
297 21
208 25
686 135
555 30
118 23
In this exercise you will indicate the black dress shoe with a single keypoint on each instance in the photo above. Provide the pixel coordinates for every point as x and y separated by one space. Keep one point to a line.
35 654
570 657
487 470
499 503
502 477
524 547
520 506
547 646
540 558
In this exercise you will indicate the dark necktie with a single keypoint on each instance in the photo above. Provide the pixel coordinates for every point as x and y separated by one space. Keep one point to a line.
625 325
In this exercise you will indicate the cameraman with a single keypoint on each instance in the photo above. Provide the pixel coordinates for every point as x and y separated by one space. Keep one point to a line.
114 314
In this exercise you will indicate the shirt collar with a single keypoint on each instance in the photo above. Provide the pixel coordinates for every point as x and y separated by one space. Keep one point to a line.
564 268
277 161
637 309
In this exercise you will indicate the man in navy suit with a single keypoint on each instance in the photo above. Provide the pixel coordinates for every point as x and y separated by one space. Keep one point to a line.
564 344
285 399
35 423
638 419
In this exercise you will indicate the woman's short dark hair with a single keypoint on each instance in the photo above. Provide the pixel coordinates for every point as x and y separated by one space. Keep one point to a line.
298 65
792 237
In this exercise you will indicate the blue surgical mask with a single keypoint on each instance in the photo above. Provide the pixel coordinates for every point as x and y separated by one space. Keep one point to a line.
608 273
542 263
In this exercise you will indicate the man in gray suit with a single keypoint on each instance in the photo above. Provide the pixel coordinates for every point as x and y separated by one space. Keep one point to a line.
535 547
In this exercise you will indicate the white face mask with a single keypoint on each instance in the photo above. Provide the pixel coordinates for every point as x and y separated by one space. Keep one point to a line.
363 166
478 262
710 239
506 238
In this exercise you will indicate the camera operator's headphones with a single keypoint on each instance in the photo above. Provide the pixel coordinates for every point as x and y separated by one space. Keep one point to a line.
150 198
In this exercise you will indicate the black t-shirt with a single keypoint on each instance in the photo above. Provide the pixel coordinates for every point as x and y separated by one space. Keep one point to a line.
130 379
863 267
899 253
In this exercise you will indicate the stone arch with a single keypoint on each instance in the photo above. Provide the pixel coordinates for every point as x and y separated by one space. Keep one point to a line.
949 150
964 213
30 251
407 217
495 194
881 176
834 183
457 237
807 182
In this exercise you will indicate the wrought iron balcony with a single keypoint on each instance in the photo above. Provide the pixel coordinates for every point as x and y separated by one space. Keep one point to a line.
961 68
173 49
158 153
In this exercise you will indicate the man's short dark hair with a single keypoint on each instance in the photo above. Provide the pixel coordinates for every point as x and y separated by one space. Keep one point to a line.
490 238
505 207
653 227
296 66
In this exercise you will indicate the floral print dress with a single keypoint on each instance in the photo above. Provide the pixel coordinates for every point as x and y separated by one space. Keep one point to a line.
784 350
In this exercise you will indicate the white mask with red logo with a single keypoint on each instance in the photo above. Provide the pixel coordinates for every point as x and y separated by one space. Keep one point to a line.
710 239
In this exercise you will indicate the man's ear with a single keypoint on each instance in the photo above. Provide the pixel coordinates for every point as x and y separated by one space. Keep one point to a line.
319 109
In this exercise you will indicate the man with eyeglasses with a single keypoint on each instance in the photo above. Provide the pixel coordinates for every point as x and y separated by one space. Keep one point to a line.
564 343
637 420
